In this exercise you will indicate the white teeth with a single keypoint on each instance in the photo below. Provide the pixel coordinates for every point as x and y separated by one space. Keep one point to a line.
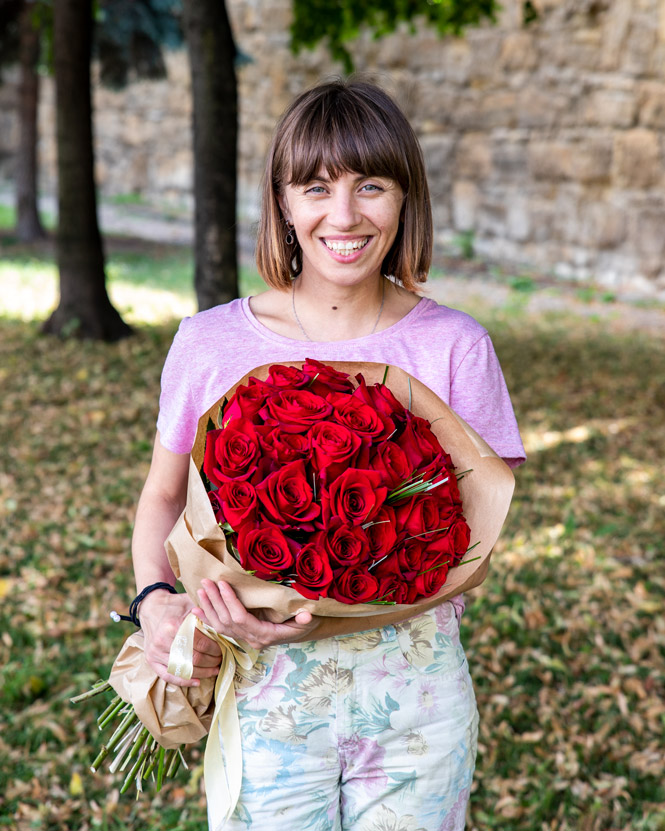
343 247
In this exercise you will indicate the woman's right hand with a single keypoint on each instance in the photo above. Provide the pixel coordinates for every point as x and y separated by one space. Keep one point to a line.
227 615
161 614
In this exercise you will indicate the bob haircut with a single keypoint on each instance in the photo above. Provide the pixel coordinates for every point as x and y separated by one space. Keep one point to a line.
354 127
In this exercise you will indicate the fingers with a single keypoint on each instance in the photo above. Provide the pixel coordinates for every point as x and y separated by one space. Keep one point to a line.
227 615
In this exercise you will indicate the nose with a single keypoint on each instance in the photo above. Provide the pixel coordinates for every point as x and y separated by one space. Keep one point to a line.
343 213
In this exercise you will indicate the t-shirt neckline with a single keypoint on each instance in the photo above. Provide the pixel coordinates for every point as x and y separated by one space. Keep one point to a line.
268 334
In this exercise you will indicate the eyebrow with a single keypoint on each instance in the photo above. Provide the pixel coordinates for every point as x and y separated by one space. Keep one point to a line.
358 178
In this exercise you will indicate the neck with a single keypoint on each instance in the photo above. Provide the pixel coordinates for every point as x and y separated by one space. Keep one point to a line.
337 312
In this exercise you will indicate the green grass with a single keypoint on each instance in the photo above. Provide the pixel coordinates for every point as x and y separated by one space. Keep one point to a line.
150 287
565 638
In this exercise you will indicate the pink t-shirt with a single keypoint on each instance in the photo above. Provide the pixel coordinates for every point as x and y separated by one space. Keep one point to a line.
444 348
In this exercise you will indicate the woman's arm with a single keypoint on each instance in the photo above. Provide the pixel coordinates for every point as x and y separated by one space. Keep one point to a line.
161 613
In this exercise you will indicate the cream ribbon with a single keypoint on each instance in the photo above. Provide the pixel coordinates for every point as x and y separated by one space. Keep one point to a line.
222 781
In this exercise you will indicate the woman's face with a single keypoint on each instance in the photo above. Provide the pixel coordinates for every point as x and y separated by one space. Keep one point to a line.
345 226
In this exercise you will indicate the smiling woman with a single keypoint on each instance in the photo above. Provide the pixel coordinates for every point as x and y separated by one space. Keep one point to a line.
345 237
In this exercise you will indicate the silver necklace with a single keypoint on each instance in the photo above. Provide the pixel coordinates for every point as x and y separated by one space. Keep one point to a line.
302 328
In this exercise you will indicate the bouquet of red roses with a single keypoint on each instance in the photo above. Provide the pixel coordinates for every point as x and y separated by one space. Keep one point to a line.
310 487
334 488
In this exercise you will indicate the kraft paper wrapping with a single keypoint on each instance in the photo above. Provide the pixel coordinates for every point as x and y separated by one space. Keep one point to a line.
196 547
173 715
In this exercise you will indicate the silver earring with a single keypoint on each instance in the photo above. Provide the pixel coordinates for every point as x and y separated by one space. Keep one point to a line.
290 237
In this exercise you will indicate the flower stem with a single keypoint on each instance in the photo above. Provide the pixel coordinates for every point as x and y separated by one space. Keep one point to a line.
143 754
98 688
110 712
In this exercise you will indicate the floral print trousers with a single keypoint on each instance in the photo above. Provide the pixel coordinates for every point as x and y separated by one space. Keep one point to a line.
369 732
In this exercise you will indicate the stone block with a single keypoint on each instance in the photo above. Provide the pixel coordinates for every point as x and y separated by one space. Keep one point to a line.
485 110
638 161
588 161
651 105
509 158
456 60
518 219
438 154
610 108
603 226
518 51
541 108
473 157
175 173
465 199
647 233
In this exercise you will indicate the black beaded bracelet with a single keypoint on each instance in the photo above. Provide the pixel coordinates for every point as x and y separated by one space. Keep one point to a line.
133 616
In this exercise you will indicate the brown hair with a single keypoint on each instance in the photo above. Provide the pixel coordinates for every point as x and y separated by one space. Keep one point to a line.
345 126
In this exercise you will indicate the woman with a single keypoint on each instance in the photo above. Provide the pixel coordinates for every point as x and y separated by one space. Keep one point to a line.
375 730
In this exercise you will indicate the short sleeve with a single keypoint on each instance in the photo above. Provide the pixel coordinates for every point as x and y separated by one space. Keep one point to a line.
177 420
479 395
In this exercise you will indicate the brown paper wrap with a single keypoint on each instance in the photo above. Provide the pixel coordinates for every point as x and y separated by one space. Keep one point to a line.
173 715
196 547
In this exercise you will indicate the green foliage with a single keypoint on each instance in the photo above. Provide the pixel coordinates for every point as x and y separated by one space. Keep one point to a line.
338 21
129 36
529 13
465 243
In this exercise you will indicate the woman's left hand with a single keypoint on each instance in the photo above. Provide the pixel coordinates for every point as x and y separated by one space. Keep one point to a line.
226 614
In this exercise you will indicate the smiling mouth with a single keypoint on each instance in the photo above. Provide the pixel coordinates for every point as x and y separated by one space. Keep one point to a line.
346 246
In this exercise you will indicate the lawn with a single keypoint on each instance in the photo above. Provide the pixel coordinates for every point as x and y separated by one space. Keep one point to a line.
566 638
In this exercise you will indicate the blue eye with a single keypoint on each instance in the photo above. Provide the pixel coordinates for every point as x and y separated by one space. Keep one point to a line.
316 189
371 187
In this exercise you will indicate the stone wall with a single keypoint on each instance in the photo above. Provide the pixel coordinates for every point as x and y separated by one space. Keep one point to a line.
545 142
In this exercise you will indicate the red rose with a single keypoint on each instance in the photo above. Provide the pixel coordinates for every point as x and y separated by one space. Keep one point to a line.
325 379
421 514
359 417
265 550
282 447
393 590
418 442
287 498
428 582
354 585
346 545
448 495
216 506
247 400
381 398
238 502
389 568
390 460
334 449
295 411
411 558
355 496
231 452
381 534
460 535
314 574
287 376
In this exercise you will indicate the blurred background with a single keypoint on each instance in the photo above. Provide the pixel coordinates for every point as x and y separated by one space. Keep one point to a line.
132 143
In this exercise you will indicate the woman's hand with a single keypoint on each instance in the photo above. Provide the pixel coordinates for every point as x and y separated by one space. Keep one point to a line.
161 614
226 614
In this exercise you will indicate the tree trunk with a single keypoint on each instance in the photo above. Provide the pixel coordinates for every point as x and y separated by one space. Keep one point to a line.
84 309
215 126
28 224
